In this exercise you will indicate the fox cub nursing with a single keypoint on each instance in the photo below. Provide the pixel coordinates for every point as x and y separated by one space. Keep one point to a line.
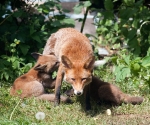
75 54
101 91
37 78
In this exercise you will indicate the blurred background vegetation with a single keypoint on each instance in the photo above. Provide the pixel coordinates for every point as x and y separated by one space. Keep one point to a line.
121 25
24 28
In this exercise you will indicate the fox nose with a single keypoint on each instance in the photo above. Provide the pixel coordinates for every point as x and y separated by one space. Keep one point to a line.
79 93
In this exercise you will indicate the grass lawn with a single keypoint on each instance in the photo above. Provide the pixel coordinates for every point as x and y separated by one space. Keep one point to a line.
14 111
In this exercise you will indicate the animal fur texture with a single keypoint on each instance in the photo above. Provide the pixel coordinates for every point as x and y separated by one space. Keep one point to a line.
34 82
75 54
104 92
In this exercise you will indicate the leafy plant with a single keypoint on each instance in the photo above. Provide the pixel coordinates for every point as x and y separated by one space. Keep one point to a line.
128 67
127 24
24 28
124 27
12 66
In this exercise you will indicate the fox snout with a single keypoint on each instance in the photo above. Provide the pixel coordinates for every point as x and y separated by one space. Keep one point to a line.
78 92
78 89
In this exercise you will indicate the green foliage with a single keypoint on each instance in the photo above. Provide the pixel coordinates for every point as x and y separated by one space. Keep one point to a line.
12 66
108 4
24 29
79 7
135 70
125 29
128 25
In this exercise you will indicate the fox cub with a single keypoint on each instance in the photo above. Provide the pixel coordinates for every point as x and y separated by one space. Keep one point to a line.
101 91
75 54
37 78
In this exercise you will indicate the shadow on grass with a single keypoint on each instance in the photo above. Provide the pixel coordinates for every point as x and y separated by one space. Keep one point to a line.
97 108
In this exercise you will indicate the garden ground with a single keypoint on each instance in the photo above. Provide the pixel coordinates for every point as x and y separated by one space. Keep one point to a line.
22 112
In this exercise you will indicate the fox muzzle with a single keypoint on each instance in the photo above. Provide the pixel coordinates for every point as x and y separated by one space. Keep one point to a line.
77 92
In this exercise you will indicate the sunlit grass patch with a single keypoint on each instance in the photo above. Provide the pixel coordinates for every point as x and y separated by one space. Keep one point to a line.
69 114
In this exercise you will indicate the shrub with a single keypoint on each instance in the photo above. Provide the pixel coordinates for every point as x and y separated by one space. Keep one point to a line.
24 29
127 24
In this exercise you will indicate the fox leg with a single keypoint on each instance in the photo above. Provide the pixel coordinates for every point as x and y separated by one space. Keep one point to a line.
87 97
58 86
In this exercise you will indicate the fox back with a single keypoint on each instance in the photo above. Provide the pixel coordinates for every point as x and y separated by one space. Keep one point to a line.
69 42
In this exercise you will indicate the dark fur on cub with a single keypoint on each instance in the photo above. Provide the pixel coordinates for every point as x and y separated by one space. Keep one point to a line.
103 91
108 93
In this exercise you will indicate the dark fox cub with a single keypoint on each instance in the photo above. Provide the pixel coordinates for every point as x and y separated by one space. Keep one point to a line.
108 93
34 82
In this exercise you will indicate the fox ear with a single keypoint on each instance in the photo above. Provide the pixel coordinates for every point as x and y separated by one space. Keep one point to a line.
36 55
40 67
66 62
89 63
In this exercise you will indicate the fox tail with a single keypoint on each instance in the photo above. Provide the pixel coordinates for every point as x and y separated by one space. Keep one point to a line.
133 100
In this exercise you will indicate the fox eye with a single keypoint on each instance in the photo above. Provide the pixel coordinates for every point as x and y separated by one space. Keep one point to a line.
72 79
83 79
57 63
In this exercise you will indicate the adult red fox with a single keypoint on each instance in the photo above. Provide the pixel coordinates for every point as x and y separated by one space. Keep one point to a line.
37 78
75 54
101 91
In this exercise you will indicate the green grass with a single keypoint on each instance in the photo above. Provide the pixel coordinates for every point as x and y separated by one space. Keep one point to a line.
69 114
